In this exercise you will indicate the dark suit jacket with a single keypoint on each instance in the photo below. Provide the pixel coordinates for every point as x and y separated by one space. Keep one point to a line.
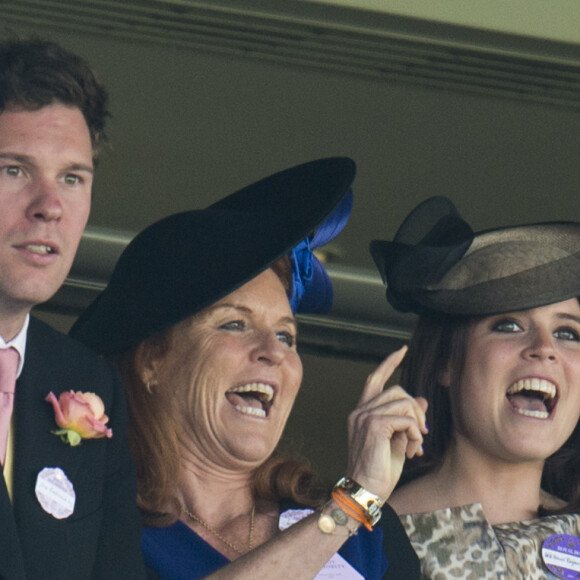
101 539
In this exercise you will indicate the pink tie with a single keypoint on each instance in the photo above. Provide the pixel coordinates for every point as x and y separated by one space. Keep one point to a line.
8 366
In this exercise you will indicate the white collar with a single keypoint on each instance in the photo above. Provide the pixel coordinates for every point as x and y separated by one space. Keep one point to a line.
18 343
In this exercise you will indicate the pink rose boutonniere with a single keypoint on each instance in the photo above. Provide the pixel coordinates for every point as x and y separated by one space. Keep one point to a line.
79 416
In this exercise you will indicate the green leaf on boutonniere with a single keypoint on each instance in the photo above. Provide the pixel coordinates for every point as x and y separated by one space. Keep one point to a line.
69 436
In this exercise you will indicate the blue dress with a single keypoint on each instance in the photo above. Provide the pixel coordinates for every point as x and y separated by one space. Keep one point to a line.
177 553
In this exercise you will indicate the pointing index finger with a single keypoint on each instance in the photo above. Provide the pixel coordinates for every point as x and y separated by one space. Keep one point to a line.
377 380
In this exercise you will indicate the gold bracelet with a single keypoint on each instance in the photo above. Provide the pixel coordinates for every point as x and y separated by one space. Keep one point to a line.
370 502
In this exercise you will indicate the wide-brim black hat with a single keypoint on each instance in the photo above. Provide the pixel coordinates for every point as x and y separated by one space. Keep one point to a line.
185 262
437 264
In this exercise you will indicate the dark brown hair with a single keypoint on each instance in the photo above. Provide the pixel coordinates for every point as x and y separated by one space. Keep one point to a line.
35 73
438 346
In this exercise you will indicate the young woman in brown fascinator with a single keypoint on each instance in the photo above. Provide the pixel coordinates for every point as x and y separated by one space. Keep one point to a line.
496 353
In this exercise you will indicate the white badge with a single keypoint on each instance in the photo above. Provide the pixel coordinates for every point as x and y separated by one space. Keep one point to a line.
337 568
55 493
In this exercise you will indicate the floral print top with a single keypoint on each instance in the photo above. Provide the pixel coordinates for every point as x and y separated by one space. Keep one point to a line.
459 543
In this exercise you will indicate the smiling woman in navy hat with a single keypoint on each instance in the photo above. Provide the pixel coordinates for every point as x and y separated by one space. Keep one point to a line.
496 353
199 318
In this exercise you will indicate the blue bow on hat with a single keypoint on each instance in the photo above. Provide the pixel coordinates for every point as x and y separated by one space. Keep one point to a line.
311 285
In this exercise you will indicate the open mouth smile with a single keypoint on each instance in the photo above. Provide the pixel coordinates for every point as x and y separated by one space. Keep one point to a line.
252 399
533 397
40 249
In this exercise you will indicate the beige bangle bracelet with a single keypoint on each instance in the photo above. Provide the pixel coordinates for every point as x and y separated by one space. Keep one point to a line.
329 520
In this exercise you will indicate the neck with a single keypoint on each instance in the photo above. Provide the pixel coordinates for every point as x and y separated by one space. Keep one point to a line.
507 491
232 489
11 323
223 511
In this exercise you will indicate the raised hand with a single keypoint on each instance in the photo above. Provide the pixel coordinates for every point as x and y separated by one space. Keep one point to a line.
385 427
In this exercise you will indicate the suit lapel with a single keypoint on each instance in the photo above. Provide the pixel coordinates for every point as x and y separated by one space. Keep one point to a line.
35 448
11 562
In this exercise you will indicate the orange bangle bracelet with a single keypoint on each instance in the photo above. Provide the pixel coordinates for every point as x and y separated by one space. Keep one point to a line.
351 507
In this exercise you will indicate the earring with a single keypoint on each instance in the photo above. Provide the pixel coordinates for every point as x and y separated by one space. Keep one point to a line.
148 387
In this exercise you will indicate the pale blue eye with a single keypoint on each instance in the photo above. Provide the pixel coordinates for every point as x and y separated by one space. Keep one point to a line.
72 179
287 338
567 334
233 325
507 325
12 170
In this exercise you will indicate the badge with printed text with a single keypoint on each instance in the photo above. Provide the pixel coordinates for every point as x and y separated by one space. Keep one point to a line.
55 493
561 555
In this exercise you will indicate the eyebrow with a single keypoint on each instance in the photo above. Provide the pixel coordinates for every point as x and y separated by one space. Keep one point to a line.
26 159
567 316
287 319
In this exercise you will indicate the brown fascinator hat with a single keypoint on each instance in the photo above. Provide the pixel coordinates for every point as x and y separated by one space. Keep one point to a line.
436 264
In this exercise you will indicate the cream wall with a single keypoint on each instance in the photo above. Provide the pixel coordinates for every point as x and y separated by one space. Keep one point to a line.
549 19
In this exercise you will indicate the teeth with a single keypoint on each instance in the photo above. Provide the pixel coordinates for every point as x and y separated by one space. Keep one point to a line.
251 411
535 414
40 249
534 384
265 390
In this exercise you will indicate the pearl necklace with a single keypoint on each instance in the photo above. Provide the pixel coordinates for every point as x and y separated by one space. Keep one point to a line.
213 531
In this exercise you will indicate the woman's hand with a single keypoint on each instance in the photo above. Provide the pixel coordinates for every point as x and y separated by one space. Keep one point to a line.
385 427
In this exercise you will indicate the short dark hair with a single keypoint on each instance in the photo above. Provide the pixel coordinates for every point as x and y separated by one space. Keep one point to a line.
35 73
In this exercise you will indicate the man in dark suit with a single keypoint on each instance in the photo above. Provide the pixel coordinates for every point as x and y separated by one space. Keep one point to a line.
66 511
